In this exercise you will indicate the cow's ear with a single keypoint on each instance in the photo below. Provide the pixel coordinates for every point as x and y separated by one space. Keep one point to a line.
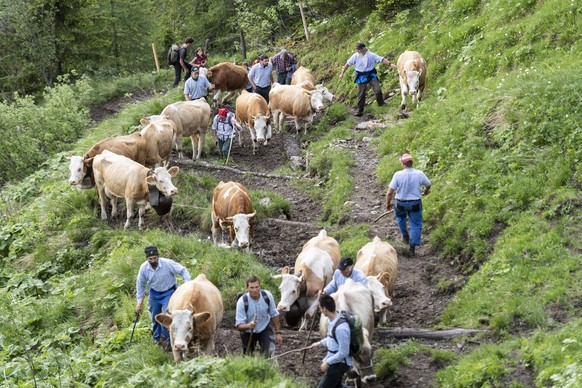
384 277
164 320
144 120
254 118
88 162
201 318
276 276
151 180
285 270
173 170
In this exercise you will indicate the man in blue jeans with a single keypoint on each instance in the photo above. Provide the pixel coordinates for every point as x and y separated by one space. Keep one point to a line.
407 184
160 275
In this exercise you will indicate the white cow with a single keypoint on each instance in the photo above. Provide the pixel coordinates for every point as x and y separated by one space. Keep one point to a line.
295 101
412 73
253 112
119 177
191 119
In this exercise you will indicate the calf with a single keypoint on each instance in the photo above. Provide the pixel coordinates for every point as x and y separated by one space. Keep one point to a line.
252 110
193 318
295 101
232 210
412 73
119 177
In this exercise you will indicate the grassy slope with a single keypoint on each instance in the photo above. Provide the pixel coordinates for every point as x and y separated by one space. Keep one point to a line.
499 136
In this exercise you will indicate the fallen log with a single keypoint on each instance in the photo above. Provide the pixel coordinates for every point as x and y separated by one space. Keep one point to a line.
401 332
235 170
294 223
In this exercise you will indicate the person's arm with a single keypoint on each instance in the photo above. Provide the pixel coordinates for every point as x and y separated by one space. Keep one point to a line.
140 285
277 326
241 317
236 125
386 61
426 190
343 70
389 195
342 332
331 286
183 64
250 77
186 92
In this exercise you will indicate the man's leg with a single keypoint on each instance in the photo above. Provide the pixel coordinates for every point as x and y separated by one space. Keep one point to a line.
265 339
178 74
245 337
155 307
361 98
333 376
281 77
187 74
401 221
415 226
225 147
377 91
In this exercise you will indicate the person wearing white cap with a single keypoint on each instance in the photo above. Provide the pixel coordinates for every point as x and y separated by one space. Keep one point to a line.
408 185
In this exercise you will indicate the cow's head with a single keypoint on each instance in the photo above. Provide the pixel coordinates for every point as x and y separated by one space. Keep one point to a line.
261 126
184 326
78 167
290 289
242 226
316 99
378 291
327 96
162 178
363 361
413 77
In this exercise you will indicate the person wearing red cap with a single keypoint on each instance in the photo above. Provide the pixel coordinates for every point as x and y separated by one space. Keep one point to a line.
407 184
224 126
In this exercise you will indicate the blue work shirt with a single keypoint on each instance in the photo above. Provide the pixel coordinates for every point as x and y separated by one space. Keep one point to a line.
260 75
339 279
264 312
407 184
197 88
364 63
337 351
160 279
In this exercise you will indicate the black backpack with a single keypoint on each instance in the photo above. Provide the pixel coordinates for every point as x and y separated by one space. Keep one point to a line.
173 54
356 333
246 299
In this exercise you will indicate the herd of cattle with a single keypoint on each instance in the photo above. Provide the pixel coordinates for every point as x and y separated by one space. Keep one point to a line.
196 308
135 167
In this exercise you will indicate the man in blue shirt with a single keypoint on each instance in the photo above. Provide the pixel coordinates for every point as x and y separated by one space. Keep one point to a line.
254 316
261 77
337 361
160 275
364 62
345 270
197 86
407 184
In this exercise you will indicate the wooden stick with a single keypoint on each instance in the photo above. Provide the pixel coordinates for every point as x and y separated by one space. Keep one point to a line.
382 215
290 351
156 58
251 337
313 322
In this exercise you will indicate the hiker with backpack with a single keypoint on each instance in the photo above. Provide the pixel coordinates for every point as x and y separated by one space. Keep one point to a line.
224 127
256 317
337 361
177 58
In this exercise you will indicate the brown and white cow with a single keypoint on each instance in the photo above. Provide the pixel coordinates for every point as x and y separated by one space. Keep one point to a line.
357 299
304 77
160 134
193 317
119 177
133 146
379 262
253 111
412 73
191 119
294 101
313 268
227 77
232 210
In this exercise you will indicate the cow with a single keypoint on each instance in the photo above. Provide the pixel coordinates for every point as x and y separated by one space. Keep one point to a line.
379 262
295 101
313 269
134 146
227 77
357 299
304 77
252 110
232 210
412 73
191 119
119 177
193 317
160 134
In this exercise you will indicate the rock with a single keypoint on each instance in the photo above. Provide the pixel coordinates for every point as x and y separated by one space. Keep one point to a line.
266 201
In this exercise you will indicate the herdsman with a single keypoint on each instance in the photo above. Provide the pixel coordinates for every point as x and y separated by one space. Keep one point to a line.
345 270
160 275
407 184
337 361
224 127
255 313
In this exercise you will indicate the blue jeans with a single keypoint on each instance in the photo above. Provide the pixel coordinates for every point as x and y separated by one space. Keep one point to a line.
158 303
412 210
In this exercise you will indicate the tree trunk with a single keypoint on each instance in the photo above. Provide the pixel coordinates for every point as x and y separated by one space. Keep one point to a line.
304 21
243 44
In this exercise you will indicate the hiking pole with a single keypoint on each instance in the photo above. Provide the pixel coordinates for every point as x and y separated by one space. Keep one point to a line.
132 330
229 148
251 337
312 323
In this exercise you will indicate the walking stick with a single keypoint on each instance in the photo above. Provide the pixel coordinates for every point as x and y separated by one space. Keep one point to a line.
132 330
229 148
251 337
312 324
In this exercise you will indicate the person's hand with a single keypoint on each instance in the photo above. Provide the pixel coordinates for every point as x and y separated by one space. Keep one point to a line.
321 292
252 324
138 308
278 339
314 345
389 206
324 366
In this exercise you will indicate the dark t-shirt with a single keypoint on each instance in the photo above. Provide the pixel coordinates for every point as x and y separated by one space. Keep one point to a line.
183 53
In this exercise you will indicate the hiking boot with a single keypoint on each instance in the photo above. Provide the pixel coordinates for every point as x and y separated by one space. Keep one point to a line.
412 253
406 239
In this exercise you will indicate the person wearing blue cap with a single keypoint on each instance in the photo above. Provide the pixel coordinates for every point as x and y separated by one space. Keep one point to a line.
345 270
160 275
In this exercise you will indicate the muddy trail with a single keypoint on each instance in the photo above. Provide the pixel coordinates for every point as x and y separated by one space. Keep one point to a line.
417 302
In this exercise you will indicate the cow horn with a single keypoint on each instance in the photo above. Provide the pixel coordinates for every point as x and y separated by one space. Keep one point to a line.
276 276
251 215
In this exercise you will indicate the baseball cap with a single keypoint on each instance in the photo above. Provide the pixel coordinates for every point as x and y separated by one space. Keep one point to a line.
222 112
345 262
405 158
195 69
